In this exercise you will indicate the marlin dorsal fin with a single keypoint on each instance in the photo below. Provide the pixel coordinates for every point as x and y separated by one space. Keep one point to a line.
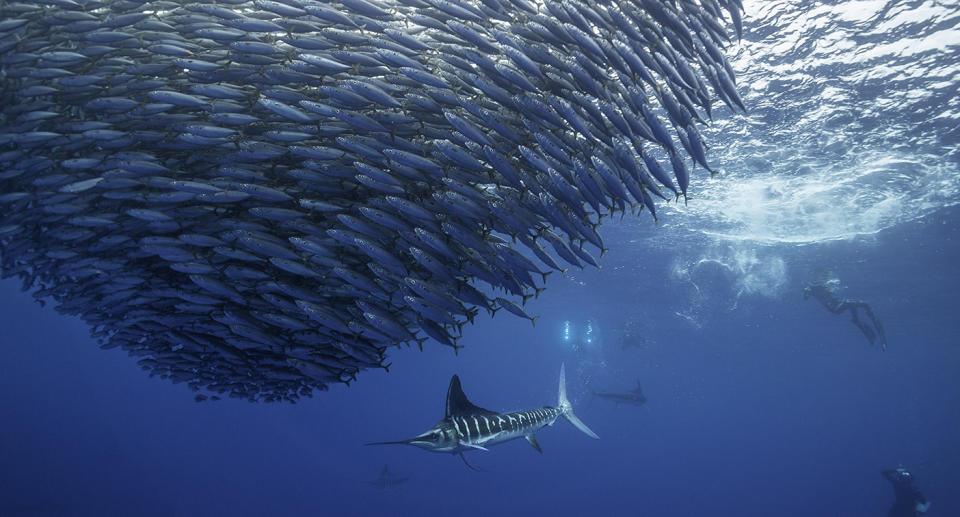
457 402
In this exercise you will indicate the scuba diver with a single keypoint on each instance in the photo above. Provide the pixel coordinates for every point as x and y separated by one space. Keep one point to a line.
826 293
909 502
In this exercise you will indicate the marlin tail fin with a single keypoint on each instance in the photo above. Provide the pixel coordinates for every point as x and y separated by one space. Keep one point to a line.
567 409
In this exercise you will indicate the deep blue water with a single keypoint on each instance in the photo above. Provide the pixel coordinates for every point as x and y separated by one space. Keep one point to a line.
760 403
775 407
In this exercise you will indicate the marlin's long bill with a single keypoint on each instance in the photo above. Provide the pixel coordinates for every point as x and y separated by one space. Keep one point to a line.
467 426
400 442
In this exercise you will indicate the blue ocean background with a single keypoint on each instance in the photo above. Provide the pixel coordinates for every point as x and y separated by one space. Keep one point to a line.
759 403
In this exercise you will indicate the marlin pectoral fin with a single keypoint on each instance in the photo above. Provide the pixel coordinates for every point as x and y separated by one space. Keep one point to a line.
532 438
467 463
472 446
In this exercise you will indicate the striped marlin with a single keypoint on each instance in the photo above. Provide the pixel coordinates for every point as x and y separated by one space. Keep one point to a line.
467 426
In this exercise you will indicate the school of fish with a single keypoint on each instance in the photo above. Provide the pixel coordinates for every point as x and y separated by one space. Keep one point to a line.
258 198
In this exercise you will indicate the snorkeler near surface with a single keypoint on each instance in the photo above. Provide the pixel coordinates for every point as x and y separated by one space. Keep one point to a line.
910 502
826 293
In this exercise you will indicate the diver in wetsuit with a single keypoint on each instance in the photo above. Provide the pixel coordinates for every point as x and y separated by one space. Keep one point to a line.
910 501
825 293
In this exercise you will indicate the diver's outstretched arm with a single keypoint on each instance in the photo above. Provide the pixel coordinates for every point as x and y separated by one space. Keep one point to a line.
857 304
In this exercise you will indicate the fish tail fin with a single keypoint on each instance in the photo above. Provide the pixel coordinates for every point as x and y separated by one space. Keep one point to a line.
567 408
